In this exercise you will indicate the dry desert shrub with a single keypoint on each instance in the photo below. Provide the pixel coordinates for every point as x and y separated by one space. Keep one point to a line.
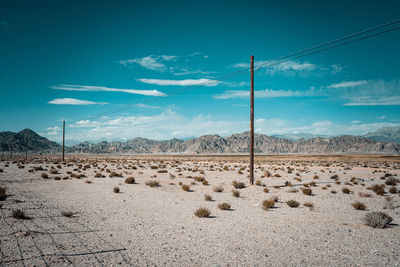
208 197
309 205
114 174
391 181
162 171
345 190
218 188
53 171
258 183
205 182
307 191
45 175
19 214
116 189
130 180
88 181
361 194
199 179
224 206
266 190
153 183
3 194
268 203
238 185
333 191
99 175
202 212
67 213
378 189
57 178
293 203
186 187
359 205
377 219
1 170
393 190
236 193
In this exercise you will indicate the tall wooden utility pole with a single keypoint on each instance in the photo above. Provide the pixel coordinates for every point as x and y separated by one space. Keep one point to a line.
252 120
63 147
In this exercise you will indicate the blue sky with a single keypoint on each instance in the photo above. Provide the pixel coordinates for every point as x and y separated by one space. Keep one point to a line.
68 60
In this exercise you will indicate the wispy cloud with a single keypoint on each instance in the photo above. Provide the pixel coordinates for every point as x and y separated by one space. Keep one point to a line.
381 117
176 65
282 68
147 106
374 101
150 62
186 82
74 101
69 87
267 93
347 84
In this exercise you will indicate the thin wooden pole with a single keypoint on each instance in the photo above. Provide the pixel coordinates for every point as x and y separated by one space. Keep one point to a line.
63 145
252 120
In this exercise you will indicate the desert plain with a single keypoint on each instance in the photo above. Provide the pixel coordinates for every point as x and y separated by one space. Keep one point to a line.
89 211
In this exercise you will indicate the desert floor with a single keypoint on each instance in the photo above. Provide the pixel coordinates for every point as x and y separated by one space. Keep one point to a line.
153 226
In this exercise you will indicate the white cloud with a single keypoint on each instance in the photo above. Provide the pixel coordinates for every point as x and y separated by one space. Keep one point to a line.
347 84
74 101
186 82
288 67
381 117
70 87
147 106
354 122
267 93
374 101
151 62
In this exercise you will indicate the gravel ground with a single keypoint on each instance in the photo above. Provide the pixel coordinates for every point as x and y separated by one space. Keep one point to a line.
145 226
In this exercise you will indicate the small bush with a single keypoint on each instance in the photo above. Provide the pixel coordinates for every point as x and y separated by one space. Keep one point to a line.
377 219
391 181
186 187
67 213
333 191
3 195
45 175
202 212
114 174
345 190
238 185
224 206
153 183
266 190
207 197
359 206
258 182
162 171
393 190
268 203
19 214
205 182
130 180
218 188
306 191
116 189
378 189
309 205
236 193
293 203
53 171
99 175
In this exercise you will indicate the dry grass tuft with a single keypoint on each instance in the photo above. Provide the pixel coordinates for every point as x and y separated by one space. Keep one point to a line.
268 203
309 205
130 180
153 183
19 214
67 213
218 188
377 219
236 193
116 189
307 191
45 175
345 190
378 189
224 206
208 197
293 203
186 187
359 205
202 212
238 185
266 190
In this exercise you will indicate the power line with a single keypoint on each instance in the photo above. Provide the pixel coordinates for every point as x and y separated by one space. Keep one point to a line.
299 54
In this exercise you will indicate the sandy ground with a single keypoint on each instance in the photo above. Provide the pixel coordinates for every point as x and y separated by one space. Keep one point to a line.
145 226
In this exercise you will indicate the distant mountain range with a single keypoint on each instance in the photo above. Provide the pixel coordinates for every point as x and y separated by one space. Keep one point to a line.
214 144
26 140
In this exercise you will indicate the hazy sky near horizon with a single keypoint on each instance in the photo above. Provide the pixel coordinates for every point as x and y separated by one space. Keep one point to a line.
68 60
